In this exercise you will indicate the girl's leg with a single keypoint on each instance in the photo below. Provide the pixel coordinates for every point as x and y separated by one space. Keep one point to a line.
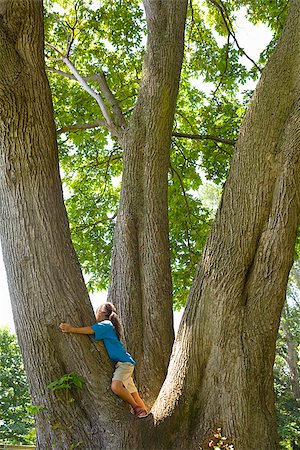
118 389
138 400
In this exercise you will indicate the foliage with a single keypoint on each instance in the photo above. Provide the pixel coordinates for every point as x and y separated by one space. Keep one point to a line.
16 419
110 37
66 383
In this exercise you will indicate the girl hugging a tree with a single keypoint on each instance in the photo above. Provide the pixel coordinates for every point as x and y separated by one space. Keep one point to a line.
108 329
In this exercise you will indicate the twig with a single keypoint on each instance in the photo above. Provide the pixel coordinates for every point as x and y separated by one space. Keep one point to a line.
187 206
94 224
229 28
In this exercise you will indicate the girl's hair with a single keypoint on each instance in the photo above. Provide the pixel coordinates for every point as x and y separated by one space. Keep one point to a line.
110 314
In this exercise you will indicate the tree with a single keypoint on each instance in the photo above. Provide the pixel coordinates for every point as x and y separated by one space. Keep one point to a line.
16 425
220 373
286 372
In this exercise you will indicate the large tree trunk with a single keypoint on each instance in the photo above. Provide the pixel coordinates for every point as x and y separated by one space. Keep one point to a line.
221 367
140 278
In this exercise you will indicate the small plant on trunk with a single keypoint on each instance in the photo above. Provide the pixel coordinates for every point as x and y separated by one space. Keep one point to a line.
66 383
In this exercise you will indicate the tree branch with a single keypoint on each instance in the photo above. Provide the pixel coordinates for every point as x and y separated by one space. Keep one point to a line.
70 75
226 65
91 91
101 80
94 224
72 28
203 137
116 129
82 126
117 112
229 28
187 207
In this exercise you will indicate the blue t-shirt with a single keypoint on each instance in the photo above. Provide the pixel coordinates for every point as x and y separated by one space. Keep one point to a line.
105 331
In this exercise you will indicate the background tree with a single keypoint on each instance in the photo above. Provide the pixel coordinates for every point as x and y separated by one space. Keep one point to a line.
243 273
286 368
16 424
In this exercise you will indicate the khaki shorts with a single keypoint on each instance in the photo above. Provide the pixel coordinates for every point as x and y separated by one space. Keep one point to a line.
123 372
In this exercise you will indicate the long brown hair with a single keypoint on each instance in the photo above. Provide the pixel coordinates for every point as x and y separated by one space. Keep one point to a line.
107 311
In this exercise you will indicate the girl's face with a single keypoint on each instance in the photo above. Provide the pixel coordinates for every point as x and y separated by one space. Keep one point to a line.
101 315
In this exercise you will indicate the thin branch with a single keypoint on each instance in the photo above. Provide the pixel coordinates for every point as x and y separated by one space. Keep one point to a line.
192 20
106 114
117 112
226 66
97 163
72 28
187 206
110 157
223 150
94 224
108 95
91 91
82 126
192 9
71 76
229 28
185 118
186 159
203 137
100 79
84 84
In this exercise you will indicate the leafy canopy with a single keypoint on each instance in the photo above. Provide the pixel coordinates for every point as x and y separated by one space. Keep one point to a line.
109 37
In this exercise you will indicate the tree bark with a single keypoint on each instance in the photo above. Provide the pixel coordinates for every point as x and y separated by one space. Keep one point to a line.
140 277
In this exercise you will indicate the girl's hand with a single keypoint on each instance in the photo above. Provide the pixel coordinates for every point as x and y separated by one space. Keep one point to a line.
66 327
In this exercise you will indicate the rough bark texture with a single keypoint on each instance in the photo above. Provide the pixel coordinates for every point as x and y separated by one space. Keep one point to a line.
140 278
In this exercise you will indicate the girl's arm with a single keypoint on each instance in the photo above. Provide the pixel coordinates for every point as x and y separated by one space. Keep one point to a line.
68 328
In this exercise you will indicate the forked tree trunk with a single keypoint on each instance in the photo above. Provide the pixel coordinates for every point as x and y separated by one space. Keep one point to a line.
221 369
44 276
141 283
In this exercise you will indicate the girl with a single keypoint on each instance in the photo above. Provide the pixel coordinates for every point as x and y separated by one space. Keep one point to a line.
108 329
